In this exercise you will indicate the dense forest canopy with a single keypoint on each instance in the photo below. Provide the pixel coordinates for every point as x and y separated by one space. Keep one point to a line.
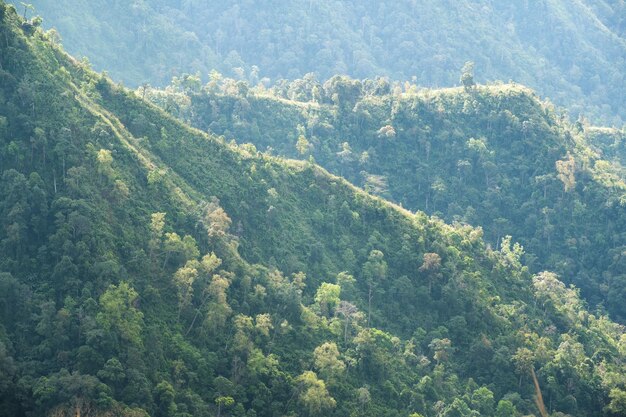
148 268
571 51
492 156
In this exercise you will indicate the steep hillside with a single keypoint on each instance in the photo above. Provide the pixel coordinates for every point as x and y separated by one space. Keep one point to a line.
147 268
491 156
571 51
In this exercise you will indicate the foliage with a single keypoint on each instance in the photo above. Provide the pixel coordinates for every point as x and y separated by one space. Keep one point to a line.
491 156
196 294
572 52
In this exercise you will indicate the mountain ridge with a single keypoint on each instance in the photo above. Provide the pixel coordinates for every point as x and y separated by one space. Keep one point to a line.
119 300
565 50
495 156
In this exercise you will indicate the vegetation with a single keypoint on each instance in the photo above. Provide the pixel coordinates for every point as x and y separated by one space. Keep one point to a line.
491 156
572 52
147 268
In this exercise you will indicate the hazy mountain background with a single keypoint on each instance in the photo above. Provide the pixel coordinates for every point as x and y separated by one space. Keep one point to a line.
573 52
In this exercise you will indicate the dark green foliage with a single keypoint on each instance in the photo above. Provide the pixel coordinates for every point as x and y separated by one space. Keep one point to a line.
150 269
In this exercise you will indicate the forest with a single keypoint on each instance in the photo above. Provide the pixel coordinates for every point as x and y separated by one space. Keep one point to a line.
493 156
161 255
573 52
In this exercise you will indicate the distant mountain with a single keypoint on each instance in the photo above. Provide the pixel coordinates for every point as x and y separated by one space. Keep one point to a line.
149 269
571 51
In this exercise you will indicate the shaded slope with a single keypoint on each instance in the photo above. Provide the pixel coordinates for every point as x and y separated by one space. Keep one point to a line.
108 307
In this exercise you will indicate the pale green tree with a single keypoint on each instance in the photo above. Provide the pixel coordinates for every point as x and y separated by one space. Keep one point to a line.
314 396
327 297
119 315
327 360
184 279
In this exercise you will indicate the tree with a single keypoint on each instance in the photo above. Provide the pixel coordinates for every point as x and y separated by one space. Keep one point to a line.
459 408
303 145
375 184
441 349
27 6
313 395
69 394
506 409
347 284
617 405
364 398
218 310
374 272
483 401
216 220
566 170
345 155
223 402
172 244
157 223
524 360
263 324
105 163
343 92
327 362
349 312
164 396
431 267
327 297
184 279
112 373
119 314
387 132
467 75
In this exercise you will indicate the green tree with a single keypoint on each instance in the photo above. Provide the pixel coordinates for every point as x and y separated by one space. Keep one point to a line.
119 315
467 76
113 373
374 272
313 395
105 163
327 361
524 360
165 394
184 279
347 284
459 408
506 409
157 223
441 349
223 402
431 266
303 145
617 406
566 172
327 297
483 401
217 310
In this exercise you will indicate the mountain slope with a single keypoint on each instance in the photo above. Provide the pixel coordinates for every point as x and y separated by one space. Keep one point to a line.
493 156
573 52
109 305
